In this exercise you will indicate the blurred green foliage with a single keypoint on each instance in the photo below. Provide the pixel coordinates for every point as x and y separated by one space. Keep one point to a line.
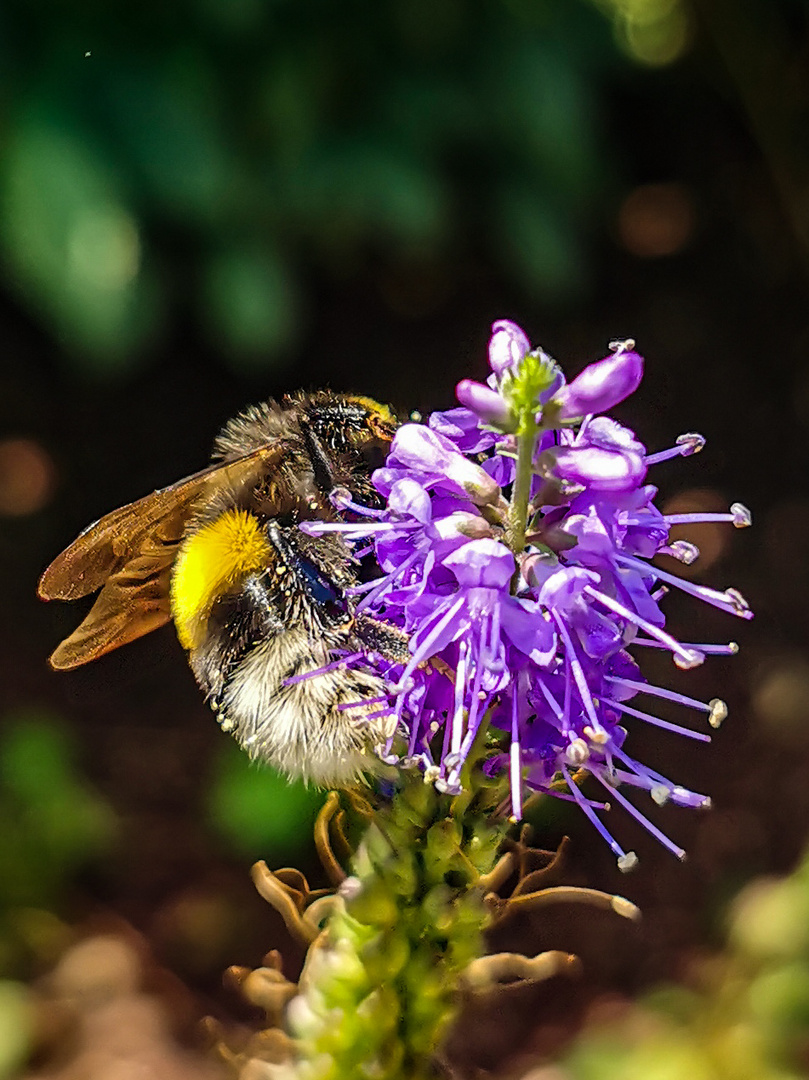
258 812
55 826
208 154
744 1016
17 1025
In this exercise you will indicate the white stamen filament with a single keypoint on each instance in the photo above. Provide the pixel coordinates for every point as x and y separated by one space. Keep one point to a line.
684 658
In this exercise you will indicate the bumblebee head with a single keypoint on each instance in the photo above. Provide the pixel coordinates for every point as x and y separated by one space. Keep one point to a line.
347 437
379 420
355 430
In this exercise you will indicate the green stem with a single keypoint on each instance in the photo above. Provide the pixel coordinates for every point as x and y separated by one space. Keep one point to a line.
521 491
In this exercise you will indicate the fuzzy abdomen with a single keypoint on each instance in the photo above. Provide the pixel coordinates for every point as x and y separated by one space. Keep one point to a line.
296 722
262 609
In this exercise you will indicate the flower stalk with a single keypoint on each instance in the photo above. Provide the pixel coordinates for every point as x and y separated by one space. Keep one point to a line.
400 948
521 492
381 983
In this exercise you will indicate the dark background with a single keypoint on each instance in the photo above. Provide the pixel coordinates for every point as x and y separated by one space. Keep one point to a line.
207 203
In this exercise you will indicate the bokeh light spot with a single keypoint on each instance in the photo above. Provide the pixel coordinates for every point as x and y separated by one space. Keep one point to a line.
27 477
103 248
98 969
656 220
781 698
661 42
652 32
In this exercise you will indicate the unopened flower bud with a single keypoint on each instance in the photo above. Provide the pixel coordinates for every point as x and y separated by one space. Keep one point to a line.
601 385
428 454
487 404
472 526
507 346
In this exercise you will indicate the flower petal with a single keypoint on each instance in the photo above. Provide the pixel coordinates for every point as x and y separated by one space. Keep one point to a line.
482 563
507 346
601 385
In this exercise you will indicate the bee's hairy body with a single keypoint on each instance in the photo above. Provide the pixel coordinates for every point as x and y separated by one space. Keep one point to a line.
280 622
260 606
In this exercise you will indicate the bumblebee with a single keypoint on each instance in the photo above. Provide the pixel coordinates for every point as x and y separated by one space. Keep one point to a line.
260 607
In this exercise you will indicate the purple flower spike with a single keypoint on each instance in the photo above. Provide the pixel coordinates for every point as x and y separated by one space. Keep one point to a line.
485 403
507 347
518 564
601 385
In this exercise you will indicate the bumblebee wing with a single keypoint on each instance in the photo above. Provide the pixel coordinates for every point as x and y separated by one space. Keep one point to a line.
106 546
133 601
129 553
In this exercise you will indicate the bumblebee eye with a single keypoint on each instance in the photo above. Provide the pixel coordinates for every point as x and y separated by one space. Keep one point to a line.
323 591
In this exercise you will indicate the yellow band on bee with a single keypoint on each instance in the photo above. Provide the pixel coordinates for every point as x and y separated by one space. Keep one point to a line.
212 560
384 412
